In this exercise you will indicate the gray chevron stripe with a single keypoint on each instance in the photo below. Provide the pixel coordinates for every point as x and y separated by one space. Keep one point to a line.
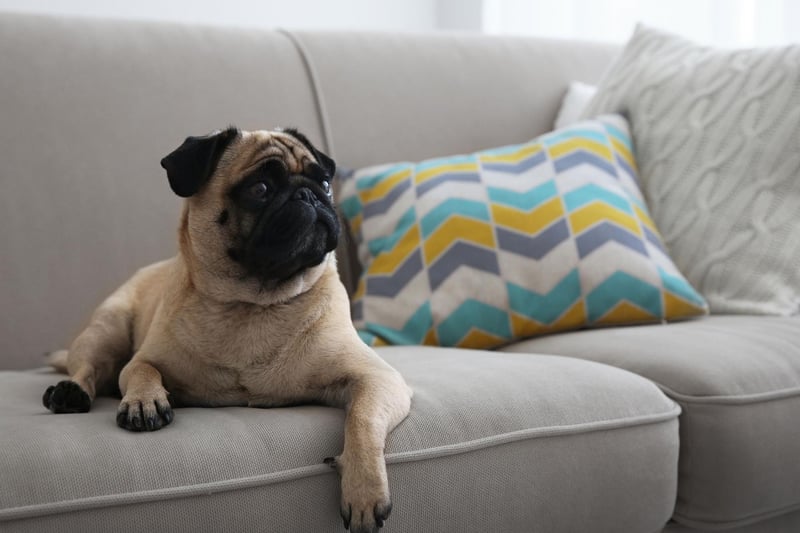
432 183
592 239
654 240
390 285
533 247
582 157
357 310
379 207
462 254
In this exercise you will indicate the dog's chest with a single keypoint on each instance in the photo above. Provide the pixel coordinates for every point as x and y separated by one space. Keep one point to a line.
239 358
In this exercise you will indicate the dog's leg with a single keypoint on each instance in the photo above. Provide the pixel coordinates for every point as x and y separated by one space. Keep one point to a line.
144 405
95 357
378 401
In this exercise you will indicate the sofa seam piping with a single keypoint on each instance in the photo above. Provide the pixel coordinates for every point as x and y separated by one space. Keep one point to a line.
313 79
739 522
261 480
747 399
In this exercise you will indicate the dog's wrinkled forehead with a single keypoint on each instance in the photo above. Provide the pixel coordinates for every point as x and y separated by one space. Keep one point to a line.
254 147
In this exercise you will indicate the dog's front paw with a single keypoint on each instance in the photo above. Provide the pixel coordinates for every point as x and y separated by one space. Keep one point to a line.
144 414
66 397
365 503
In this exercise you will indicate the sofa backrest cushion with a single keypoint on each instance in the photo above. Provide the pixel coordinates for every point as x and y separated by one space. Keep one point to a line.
90 107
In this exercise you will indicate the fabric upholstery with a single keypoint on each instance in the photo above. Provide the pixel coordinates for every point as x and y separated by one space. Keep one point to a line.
91 106
482 249
580 446
89 109
575 100
716 135
442 94
737 379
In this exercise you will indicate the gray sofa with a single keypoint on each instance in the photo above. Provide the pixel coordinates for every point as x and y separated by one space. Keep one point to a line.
685 427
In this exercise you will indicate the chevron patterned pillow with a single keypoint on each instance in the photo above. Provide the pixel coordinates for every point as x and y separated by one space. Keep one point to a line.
718 141
479 250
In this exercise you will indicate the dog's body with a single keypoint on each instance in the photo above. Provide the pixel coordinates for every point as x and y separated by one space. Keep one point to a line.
251 312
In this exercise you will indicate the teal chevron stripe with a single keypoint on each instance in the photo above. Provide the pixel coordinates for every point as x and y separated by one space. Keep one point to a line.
368 338
607 295
546 308
453 206
473 314
680 287
368 182
591 192
351 207
619 135
413 331
571 134
524 201
387 243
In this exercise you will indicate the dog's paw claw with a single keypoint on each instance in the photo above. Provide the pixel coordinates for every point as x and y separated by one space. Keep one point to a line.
346 516
66 397
362 522
382 512
144 415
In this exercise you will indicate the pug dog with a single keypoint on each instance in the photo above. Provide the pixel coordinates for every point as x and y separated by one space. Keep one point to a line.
250 312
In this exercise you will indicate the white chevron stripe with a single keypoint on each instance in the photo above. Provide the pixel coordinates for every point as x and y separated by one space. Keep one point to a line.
468 191
613 257
539 276
395 312
468 283
384 225
521 182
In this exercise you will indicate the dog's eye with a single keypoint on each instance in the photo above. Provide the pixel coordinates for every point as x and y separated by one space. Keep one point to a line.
258 190
326 186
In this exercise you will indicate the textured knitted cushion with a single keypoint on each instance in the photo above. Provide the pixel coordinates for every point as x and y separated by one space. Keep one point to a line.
479 250
718 143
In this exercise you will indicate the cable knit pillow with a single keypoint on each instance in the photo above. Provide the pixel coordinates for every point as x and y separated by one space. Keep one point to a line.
718 143
479 250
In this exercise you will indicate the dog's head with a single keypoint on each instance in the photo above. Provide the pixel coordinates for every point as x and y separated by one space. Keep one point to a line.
259 205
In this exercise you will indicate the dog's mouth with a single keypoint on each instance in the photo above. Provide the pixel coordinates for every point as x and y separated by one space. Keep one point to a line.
287 241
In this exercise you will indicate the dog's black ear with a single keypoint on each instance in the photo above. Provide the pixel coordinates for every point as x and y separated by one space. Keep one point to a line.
191 164
324 161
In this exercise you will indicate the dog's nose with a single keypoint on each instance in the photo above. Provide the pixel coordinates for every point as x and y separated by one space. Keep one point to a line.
304 194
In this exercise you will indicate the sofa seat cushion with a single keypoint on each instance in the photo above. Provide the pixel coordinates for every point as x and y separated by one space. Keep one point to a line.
494 442
737 379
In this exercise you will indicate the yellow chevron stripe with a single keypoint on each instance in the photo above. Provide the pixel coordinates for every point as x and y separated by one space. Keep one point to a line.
646 220
355 223
477 340
595 212
588 145
379 342
457 228
431 338
574 317
361 288
513 157
675 307
625 313
387 262
435 171
530 223
384 187
624 153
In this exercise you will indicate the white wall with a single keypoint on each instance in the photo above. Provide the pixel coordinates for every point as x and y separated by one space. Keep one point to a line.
396 15
732 23
719 22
